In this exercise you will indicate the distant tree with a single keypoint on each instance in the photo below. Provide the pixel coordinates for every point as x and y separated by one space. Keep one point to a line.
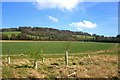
13 36
0 36
22 36
5 37
118 36
94 35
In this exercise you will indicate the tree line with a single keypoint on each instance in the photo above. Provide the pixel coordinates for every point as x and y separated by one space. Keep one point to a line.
51 34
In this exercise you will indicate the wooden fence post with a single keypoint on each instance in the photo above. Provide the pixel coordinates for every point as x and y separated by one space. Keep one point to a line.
89 56
42 53
43 60
9 60
66 58
35 64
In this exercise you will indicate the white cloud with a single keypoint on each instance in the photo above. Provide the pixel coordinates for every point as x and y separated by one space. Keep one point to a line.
83 24
59 4
53 18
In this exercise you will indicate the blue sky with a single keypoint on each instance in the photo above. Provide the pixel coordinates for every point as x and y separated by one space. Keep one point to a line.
92 17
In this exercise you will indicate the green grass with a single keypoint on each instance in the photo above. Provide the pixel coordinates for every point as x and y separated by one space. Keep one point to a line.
9 33
53 47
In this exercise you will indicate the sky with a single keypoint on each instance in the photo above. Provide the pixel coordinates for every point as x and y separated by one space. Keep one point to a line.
93 17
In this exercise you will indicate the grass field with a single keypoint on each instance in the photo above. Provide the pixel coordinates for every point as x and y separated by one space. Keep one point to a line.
53 47
9 33
102 63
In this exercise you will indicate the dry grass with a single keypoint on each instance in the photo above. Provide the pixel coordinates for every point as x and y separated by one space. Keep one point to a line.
97 66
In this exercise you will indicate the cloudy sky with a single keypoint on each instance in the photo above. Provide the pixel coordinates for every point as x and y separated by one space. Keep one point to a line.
92 17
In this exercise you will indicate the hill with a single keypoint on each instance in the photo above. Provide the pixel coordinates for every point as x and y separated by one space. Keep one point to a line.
51 34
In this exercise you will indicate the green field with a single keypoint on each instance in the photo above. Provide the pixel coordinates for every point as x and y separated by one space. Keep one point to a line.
53 47
9 33
97 65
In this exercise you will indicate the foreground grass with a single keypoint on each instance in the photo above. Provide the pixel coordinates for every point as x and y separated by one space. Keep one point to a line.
97 66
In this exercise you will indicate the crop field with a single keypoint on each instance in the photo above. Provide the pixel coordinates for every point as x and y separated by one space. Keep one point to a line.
86 60
53 47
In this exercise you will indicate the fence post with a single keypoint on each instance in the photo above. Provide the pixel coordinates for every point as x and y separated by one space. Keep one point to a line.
43 60
89 56
42 53
35 64
66 58
9 60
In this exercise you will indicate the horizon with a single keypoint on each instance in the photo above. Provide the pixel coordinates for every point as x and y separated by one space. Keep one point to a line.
61 30
92 17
